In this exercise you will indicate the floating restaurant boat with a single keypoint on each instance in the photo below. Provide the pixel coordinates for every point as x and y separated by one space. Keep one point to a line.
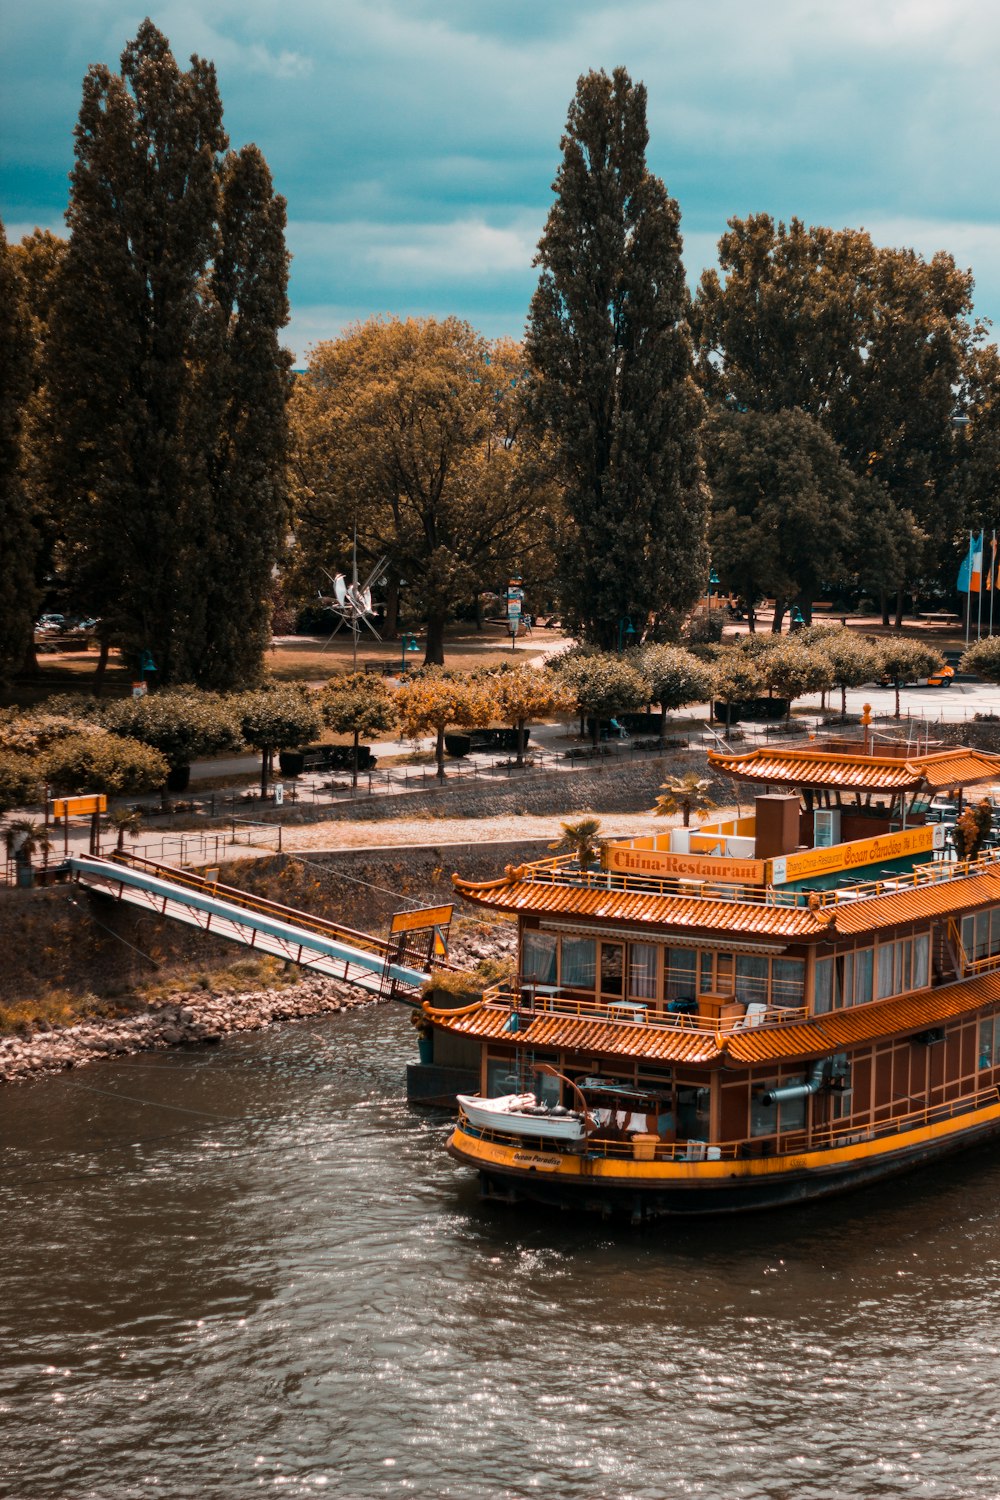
760 1011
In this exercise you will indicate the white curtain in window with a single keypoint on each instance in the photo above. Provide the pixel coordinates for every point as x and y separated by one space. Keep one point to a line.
538 958
579 963
642 971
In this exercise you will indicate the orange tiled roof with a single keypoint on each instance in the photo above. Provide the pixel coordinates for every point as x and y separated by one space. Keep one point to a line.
866 773
916 903
864 1023
692 912
584 1034
828 1033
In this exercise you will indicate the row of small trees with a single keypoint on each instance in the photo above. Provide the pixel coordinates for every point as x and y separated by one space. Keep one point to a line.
132 746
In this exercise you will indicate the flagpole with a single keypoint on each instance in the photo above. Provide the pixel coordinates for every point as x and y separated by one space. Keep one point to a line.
993 581
968 594
982 559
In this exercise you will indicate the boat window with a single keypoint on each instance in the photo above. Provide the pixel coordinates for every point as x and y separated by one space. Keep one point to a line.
902 965
989 1042
612 968
538 958
642 971
864 962
546 1089
788 981
501 1078
921 960
579 963
692 1113
792 1112
751 977
763 1117
680 974
886 970
707 985
981 934
823 986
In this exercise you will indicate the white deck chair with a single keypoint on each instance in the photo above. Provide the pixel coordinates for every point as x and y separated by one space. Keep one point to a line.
755 1013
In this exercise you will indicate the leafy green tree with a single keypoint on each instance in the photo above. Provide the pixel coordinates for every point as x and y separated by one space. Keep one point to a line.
875 344
20 780
983 658
686 794
603 684
676 677
738 679
783 507
793 670
411 431
276 718
432 700
357 703
164 377
100 762
903 660
184 724
854 660
608 339
523 694
18 538
39 258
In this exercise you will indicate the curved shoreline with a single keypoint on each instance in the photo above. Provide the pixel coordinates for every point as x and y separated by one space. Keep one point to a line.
189 1018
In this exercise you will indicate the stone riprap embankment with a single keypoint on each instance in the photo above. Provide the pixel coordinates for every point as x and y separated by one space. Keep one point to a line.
187 1019
196 1017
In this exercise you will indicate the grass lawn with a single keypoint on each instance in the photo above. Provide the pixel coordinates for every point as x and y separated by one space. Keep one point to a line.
291 659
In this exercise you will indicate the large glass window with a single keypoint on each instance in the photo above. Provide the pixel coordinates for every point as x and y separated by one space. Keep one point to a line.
885 977
788 981
579 963
922 961
612 968
642 971
751 977
823 986
903 965
863 967
538 958
680 982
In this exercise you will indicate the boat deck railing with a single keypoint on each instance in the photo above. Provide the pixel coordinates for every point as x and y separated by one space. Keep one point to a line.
822 1138
530 1000
563 870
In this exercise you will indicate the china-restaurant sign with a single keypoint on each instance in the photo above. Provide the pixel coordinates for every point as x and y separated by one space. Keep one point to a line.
623 859
856 855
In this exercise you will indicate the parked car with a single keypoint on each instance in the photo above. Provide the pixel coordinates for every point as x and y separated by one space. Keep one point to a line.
49 624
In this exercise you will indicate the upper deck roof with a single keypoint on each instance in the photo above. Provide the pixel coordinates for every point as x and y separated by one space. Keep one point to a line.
858 772
680 1043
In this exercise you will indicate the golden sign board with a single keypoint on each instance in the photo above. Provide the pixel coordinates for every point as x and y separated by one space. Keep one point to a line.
856 855
76 807
623 859
420 921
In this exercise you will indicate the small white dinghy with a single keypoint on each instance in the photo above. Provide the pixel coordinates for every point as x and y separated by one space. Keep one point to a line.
521 1114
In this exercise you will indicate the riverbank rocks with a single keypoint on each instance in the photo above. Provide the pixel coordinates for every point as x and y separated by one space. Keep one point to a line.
188 1019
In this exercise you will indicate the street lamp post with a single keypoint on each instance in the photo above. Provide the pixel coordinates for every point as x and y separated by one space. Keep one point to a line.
626 632
409 643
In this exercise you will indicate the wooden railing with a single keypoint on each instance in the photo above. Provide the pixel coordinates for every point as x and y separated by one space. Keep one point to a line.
825 1138
563 870
529 1001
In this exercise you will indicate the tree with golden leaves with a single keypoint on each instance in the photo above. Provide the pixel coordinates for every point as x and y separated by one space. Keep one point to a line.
526 693
410 431
433 701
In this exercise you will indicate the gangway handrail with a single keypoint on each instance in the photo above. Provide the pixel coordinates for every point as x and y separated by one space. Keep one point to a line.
187 893
235 897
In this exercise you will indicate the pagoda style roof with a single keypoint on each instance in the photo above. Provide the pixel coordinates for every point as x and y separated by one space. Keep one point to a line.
600 904
936 889
682 1043
859 772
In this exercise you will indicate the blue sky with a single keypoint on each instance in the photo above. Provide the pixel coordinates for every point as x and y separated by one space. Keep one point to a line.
416 140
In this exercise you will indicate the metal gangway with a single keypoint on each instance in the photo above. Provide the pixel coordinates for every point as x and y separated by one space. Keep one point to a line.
224 911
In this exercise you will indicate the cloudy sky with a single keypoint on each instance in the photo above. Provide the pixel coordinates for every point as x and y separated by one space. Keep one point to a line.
416 140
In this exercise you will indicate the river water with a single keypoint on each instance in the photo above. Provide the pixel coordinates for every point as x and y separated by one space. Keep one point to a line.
253 1270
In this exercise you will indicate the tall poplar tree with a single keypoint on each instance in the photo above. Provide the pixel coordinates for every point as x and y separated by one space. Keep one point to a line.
608 337
163 338
18 539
